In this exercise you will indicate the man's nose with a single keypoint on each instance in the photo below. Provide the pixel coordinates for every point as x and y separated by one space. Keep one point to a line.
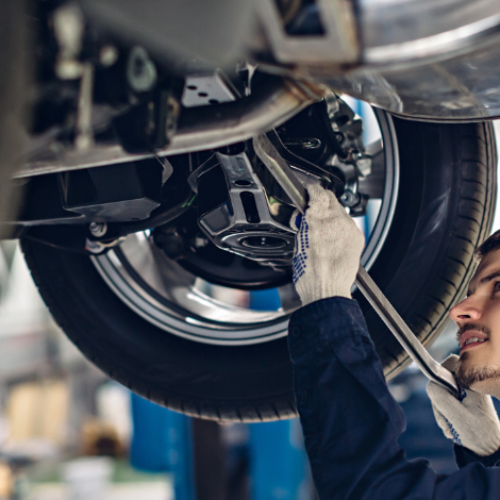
468 309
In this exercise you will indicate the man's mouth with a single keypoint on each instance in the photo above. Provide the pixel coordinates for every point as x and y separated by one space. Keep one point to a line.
470 339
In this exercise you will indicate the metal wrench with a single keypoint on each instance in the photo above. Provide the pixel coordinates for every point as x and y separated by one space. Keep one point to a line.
297 193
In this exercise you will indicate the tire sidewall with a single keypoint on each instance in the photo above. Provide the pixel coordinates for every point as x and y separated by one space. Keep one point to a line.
255 382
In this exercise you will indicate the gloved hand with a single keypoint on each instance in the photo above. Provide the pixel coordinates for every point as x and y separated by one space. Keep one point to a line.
327 250
471 422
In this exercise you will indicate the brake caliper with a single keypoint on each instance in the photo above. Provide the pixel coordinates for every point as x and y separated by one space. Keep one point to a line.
351 160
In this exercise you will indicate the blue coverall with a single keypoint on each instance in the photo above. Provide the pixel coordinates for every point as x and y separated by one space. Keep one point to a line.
351 422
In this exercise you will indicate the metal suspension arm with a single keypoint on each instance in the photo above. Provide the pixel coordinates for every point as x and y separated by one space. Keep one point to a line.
270 105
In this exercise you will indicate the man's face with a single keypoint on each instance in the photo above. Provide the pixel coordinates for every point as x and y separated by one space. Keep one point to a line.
478 321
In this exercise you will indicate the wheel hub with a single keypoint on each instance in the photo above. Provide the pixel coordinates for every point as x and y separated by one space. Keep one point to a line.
248 223
263 242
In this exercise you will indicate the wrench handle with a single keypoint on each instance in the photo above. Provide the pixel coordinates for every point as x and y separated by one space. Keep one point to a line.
429 366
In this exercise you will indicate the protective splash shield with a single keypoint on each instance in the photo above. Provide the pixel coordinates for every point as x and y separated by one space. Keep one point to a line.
426 59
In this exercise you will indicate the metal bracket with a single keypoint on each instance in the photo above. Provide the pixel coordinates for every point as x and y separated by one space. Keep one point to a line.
297 193
244 225
338 45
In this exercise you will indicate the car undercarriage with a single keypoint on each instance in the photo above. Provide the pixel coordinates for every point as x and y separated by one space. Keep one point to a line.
149 216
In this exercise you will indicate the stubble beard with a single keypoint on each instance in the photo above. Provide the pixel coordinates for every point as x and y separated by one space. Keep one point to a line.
467 377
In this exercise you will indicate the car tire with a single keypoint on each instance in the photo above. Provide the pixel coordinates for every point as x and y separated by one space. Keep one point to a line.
444 210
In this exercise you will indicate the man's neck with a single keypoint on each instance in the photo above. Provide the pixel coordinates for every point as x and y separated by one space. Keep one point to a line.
490 386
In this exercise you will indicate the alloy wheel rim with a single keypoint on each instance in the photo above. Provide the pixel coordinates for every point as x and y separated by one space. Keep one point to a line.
176 301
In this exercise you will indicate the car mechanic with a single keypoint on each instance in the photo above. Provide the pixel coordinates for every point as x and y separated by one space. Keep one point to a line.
351 422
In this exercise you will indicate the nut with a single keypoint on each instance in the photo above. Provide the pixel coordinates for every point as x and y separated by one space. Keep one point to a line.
98 229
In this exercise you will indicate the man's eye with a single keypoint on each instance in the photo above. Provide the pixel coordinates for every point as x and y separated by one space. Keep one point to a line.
497 286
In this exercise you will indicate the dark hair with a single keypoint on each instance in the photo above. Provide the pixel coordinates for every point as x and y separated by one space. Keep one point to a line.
488 245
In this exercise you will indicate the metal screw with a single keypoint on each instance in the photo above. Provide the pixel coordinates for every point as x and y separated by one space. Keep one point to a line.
94 247
68 26
98 229
347 198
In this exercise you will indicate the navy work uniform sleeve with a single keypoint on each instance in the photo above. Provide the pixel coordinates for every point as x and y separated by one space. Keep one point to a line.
464 456
351 422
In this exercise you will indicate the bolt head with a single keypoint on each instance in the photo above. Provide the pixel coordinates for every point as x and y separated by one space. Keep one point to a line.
98 229
108 55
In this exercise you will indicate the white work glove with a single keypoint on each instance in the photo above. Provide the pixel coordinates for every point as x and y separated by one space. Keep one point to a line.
327 250
471 422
